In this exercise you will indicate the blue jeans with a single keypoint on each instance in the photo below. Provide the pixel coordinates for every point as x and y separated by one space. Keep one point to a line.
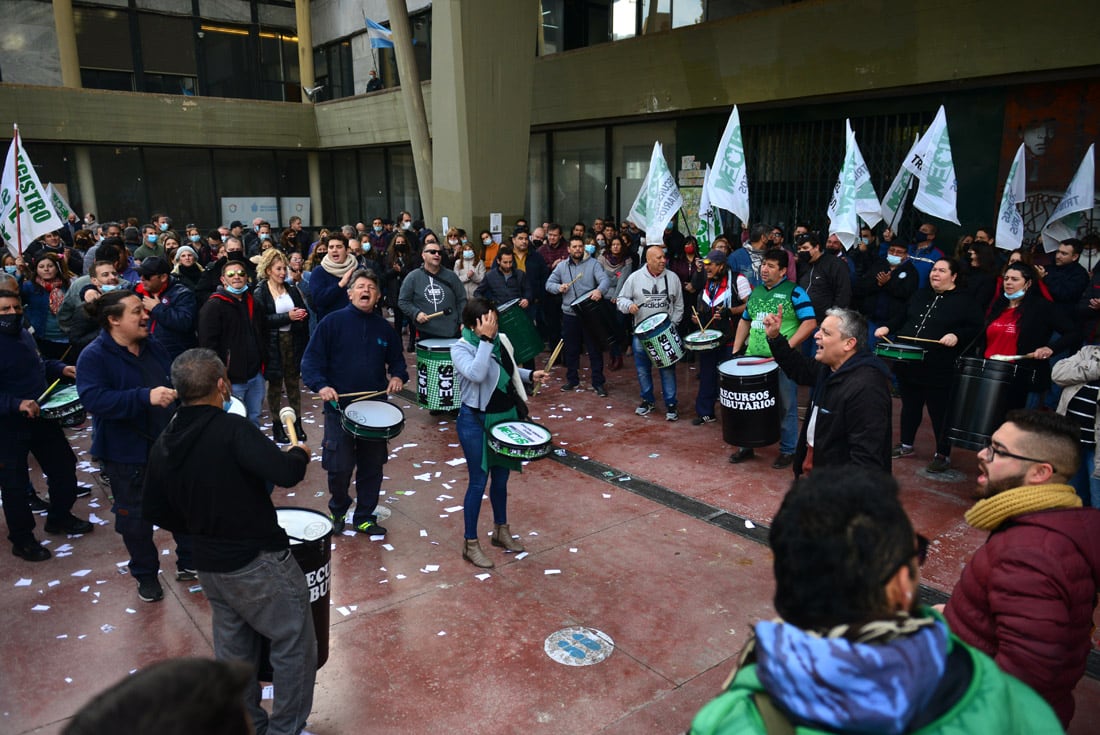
788 430
252 394
645 377
267 598
1087 486
471 435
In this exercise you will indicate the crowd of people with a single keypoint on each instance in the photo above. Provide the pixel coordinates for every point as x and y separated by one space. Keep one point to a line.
152 324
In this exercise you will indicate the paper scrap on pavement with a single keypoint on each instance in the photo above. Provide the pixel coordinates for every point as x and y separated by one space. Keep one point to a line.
387 547
343 611
453 509
749 524
40 608
268 692
607 495
423 533
551 571
81 573
521 555
484 576
23 582
426 477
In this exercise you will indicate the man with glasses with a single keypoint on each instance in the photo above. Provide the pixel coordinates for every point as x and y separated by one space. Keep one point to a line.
1027 596
432 297
854 651
231 324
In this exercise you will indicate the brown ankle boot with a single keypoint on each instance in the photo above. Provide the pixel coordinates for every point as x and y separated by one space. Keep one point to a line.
472 553
502 537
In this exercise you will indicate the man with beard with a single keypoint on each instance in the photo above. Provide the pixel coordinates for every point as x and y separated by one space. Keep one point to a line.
1027 596
854 651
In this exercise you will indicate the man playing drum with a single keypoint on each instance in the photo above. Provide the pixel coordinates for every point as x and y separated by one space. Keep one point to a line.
798 324
255 587
573 278
350 352
647 292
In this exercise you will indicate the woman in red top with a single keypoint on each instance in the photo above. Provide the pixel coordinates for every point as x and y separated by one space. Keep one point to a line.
1022 322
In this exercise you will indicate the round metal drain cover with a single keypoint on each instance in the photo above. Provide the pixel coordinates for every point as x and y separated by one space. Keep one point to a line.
578 646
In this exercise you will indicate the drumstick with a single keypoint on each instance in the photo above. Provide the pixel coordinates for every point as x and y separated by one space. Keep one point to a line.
362 394
697 319
887 340
288 417
52 386
920 339
438 313
550 363
1012 358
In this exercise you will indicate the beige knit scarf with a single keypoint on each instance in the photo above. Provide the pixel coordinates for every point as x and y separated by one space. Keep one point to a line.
990 513
338 270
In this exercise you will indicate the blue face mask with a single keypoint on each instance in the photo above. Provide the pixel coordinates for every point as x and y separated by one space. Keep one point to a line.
13 269
468 254
366 246
163 226
108 287
893 259
236 290
225 237
265 236
377 228
1018 295
196 238
151 238
590 249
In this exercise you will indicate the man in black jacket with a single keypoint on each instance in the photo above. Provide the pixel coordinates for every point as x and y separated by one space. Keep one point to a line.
206 478
886 288
849 419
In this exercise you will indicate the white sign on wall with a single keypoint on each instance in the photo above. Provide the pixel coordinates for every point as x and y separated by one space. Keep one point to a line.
294 206
247 209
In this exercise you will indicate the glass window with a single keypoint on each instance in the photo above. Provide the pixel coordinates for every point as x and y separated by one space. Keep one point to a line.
119 182
624 19
167 44
245 173
580 175
120 81
103 39
631 148
372 184
656 15
181 184
345 185
687 13
538 181
404 194
228 64
552 39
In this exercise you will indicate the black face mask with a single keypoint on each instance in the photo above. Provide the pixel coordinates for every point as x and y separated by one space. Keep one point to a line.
10 324
803 256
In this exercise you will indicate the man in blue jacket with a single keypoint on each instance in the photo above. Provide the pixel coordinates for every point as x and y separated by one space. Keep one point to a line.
170 304
351 351
23 377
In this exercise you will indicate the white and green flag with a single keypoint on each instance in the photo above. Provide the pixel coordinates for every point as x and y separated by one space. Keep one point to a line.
1010 224
867 204
708 218
60 204
729 180
658 200
843 220
893 204
25 209
1078 199
932 165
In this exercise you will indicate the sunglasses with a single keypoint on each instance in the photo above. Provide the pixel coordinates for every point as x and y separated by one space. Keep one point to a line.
430 252
234 274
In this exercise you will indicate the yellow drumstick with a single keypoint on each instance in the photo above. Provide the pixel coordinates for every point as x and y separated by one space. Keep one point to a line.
550 364
362 394
921 339
48 390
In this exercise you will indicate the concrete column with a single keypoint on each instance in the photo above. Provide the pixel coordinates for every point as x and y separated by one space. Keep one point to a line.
412 97
481 107
70 77
305 44
316 212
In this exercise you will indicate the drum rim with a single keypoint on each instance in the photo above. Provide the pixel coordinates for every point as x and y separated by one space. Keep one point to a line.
713 334
388 407
311 511
662 317
770 366
549 434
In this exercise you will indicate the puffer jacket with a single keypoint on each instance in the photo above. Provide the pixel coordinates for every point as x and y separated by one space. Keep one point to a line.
273 369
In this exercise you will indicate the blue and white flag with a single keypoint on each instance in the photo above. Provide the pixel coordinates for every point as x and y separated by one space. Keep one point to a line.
1010 225
1079 198
380 36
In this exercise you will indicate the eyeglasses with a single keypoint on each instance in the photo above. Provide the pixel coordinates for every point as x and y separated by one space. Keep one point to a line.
995 452
430 252
921 554
234 274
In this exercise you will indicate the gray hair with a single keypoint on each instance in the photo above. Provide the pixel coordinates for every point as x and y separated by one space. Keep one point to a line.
853 325
365 273
195 374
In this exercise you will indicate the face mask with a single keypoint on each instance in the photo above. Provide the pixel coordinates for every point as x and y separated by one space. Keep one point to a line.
865 241
225 237
407 225
487 242
689 250
151 238
1018 295
13 269
452 241
108 287
893 259
377 228
601 242
163 226
10 324
195 238
227 401
590 248
464 241
921 237
236 290
265 236
467 254
366 246
803 256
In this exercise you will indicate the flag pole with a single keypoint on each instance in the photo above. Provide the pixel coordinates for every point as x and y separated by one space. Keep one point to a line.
18 214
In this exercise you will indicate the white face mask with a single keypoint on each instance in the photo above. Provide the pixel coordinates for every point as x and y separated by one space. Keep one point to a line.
452 241
406 225
468 254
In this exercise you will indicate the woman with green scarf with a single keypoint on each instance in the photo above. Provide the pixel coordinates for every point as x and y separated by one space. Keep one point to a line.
492 390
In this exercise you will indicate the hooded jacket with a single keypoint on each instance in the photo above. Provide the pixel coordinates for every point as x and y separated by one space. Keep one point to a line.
853 405
236 329
172 321
1027 598
206 478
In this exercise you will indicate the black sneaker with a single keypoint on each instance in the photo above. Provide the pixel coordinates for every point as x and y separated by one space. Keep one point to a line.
700 420
644 408
741 455
600 391
672 415
31 551
149 590
187 575
69 524
337 523
370 527
568 387
783 461
36 503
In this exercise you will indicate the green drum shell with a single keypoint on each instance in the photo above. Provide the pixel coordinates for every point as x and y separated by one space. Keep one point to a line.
661 340
534 451
380 433
525 339
905 353
64 405
436 381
